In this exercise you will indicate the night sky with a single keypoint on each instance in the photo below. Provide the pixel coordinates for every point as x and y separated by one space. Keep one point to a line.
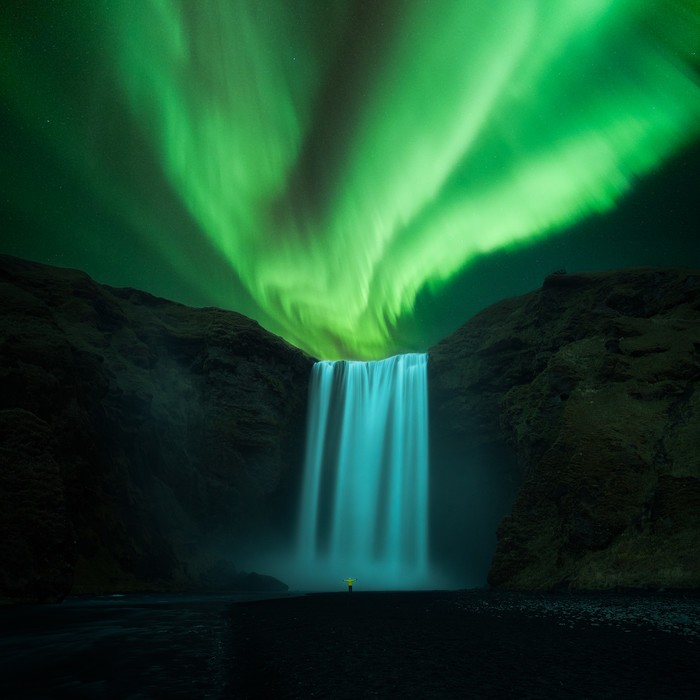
359 177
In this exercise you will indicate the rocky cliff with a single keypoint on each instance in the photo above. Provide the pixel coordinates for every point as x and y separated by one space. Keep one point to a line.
144 443
147 445
594 382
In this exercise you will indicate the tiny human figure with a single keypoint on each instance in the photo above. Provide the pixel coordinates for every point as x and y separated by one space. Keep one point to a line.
349 581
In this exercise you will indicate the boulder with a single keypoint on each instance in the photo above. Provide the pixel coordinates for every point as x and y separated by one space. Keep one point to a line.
258 583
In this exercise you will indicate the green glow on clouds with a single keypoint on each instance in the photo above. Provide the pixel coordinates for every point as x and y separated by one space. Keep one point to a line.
343 162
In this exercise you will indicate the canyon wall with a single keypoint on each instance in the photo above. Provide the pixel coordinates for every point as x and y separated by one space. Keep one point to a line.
144 443
594 382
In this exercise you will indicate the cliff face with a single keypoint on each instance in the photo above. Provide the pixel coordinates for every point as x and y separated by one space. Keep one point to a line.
147 445
143 442
594 381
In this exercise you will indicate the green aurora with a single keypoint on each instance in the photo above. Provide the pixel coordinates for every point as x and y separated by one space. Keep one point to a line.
328 168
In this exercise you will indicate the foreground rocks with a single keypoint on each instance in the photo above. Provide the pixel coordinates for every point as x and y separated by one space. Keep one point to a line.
144 443
594 381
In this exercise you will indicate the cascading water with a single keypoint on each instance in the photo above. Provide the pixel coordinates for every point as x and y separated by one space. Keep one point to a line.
364 504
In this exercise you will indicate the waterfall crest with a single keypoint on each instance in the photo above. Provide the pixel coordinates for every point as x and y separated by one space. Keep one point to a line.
364 501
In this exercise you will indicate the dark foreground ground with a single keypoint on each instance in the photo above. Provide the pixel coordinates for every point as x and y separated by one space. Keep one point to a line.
454 644
468 645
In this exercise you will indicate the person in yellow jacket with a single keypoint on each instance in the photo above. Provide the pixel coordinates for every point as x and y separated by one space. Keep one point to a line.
349 581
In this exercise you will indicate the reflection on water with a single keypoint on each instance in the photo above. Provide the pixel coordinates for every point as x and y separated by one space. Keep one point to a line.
126 647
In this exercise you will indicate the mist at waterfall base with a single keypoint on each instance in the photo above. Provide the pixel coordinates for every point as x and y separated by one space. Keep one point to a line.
370 506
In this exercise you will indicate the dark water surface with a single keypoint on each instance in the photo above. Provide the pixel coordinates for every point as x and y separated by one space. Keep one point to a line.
126 647
433 644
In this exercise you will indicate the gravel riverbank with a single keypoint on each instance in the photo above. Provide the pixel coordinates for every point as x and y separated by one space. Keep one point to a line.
467 644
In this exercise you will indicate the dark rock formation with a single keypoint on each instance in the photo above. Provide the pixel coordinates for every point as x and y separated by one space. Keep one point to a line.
37 541
144 443
147 445
594 380
259 583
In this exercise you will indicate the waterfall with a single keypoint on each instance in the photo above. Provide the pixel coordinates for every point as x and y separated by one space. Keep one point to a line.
364 500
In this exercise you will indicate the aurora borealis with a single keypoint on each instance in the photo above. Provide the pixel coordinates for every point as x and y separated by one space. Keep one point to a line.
344 171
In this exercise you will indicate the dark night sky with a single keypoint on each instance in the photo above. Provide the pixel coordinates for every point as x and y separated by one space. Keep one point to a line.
359 177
